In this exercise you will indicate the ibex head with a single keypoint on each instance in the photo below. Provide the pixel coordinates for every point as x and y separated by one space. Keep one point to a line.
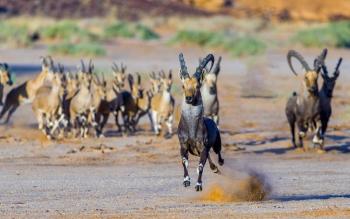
60 79
329 81
5 74
119 75
47 67
100 86
85 74
310 75
192 84
166 81
155 82
135 88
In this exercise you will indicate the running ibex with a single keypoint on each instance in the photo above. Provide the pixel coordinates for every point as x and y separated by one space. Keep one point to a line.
81 106
197 134
162 105
47 106
303 108
326 94
25 92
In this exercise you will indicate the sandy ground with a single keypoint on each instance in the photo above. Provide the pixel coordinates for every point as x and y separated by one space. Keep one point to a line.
141 176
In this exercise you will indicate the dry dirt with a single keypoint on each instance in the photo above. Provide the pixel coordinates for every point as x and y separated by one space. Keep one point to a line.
141 176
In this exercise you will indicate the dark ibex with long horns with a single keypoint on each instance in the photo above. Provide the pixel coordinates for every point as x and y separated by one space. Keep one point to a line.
197 134
326 94
303 108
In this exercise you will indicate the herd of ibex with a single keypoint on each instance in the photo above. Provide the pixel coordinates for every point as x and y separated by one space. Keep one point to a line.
78 104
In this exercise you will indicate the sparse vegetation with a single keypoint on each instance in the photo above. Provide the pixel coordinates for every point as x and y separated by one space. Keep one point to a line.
14 36
68 31
235 45
87 49
336 34
130 30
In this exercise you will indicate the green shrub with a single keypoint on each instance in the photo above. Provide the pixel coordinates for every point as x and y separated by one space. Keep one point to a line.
336 34
120 29
14 35
130 30
80 49
68 31
145 33
235 45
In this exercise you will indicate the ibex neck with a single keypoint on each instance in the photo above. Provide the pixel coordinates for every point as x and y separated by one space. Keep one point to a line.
39 80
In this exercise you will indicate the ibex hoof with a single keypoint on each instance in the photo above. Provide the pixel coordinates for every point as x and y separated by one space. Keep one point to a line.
317 141
199 187
221 161
302 134
217 171
187 181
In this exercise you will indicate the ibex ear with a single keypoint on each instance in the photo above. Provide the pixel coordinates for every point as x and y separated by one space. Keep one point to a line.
170 76
123 67
44 63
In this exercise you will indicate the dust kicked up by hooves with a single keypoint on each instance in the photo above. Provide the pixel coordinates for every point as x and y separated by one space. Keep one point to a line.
248 186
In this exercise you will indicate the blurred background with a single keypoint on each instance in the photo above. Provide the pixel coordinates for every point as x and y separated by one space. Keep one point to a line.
147 35
238 28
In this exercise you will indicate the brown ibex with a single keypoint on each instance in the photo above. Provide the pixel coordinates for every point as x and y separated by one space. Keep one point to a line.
303 108
5 78
197 134
25 92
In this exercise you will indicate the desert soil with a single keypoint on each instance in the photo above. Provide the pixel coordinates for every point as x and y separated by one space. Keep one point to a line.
141 176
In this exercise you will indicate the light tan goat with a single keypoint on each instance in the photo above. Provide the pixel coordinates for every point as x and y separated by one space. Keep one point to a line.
81 104
47 106
25 93
162 105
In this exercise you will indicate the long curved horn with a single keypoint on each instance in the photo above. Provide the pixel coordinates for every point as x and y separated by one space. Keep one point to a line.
91 67
319 61
115 67
104 79
183 72
60 68
82 66
199 71
138 78
51 61
336 71
131 81
299 57
217 67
